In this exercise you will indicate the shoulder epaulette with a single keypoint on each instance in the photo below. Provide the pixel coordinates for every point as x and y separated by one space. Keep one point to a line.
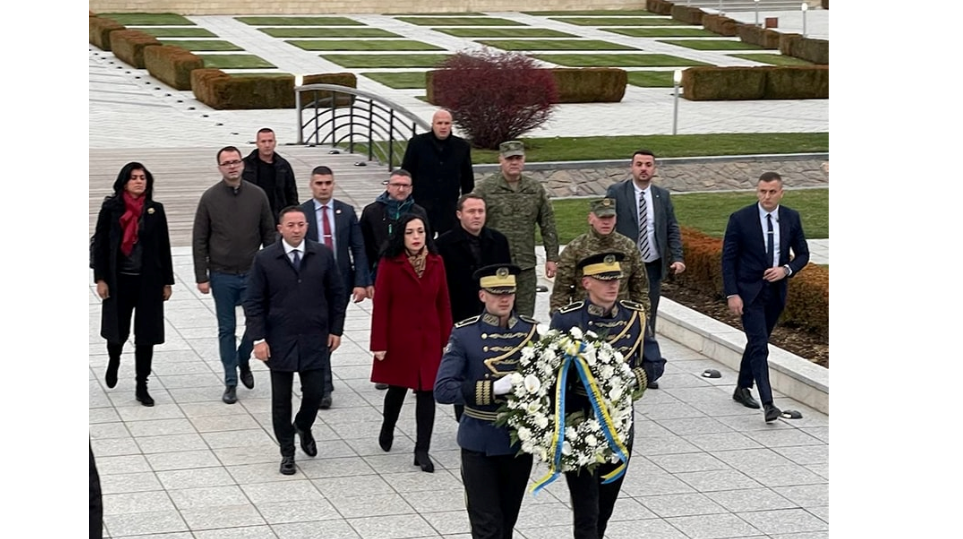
468 321
528 319
574 306
632 305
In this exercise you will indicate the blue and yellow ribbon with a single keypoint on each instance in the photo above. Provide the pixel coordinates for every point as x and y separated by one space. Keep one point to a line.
558 437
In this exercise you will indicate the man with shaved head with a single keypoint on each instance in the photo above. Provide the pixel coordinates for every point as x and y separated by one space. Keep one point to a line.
440 166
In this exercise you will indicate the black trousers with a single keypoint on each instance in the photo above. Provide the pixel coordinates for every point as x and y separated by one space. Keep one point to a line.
129 291
758 320
494 488
424 413
312 386
593 502
96 500
654 272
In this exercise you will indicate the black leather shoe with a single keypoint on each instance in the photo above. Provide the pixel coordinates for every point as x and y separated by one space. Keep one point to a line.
325 402
381 386
143 396
111 377
772 413
421 459
287 466
652 385
230 395
308 445
744 397
247 378
385 438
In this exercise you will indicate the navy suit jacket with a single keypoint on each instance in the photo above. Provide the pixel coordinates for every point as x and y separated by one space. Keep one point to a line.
668 236
351 257
744 252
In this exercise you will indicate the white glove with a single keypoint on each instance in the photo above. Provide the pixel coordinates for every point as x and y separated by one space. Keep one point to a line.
633 381
503 385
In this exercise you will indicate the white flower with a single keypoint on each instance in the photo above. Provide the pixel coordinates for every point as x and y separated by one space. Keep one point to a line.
542 329
566 448
542 454
589 355
541 420
549 357
616 393
528 447
576 332
571 433
528 352
607 372
591 334
524 434
605 355
534 407
517 378
532 383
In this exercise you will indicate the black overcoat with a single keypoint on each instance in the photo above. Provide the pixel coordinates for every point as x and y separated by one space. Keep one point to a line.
460 265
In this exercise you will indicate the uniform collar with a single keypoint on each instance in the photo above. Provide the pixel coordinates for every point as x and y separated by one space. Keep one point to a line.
492 320
596 310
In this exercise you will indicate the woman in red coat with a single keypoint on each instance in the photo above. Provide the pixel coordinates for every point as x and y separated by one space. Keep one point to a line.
409 329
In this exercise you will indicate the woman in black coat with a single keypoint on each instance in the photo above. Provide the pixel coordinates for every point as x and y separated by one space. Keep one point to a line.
133 271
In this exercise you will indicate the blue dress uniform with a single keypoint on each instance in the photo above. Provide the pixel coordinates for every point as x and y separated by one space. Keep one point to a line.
479 352
623 327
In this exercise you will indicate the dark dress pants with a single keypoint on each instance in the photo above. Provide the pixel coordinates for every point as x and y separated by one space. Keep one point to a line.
758 320
312 385
494 488
96 500
593 502
653 271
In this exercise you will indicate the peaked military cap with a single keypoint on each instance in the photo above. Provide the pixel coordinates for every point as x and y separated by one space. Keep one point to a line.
602 266
511 148
497 278
604 207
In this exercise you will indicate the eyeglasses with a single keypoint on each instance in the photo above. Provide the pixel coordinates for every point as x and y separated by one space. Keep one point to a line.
400 185
230 163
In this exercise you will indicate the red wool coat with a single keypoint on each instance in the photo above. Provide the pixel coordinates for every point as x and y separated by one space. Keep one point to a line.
411 321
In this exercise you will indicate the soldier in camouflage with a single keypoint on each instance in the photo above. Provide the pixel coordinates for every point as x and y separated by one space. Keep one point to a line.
515 203
600 238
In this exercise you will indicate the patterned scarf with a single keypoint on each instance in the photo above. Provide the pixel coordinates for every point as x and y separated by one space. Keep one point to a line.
129 222
417 260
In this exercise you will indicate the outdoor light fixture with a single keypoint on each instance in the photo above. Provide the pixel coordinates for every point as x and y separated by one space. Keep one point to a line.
676 80
298 81
756 3
805 8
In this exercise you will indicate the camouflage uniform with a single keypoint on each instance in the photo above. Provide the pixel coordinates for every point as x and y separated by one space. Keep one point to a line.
568 286
514 212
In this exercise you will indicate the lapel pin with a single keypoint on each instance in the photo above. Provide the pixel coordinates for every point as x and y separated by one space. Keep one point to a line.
337 212
150 211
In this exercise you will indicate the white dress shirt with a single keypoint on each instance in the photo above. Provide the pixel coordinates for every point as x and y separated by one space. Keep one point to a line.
775 232
289 250
317 217
650 220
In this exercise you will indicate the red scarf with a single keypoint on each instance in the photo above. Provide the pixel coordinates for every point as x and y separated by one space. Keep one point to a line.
129 222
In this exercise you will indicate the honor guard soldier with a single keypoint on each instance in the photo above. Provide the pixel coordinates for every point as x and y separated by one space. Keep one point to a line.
622 324
481 352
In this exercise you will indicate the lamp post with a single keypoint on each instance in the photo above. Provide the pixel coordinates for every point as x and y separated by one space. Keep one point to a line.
676 79
720 8
298 80
756 4
805 9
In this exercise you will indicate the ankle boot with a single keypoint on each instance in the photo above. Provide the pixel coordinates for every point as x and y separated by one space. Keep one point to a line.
424 425
143 355
113 363
394 399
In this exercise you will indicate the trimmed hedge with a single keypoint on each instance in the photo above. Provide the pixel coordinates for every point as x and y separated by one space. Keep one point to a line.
766 38
129 45
813 50
221 91
573 85
721 25
659 7
766 82
807 304
100 30
687 14
173 65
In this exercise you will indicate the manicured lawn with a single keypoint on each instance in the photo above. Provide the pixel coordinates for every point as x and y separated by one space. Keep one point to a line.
622 147
401 81
327 32
554 45
178 32
299 21
618 60
385 60
597 13
612 21
462 14
774 59
661 32
502 32
712 44
460 21
364 45
651 79
234 61
147 19
707 212
202 44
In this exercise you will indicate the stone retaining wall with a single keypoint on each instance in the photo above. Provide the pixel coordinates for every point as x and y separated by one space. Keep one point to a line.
683 176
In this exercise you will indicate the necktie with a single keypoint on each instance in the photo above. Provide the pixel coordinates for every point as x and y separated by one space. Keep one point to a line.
770 242
643 228
326 228
296 259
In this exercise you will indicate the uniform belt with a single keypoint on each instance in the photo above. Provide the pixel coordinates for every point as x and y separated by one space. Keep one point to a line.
480 414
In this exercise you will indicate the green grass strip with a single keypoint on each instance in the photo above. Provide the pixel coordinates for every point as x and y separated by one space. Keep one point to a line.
773 59
178 32
507 33
661 32
462 14
612 21
299 21
148 19
202 44
400 81
327 32
364 45
618 60
622 147
595 13
385 60
554 45
460 21
234 61
651 79
712 44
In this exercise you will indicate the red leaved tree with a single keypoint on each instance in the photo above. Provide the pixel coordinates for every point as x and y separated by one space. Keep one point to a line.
494 96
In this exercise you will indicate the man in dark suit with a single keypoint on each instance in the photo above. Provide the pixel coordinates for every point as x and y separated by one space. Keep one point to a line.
646 216
294 308
755 266
333 223
266 169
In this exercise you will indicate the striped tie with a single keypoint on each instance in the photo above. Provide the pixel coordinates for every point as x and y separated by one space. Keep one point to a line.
643 228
